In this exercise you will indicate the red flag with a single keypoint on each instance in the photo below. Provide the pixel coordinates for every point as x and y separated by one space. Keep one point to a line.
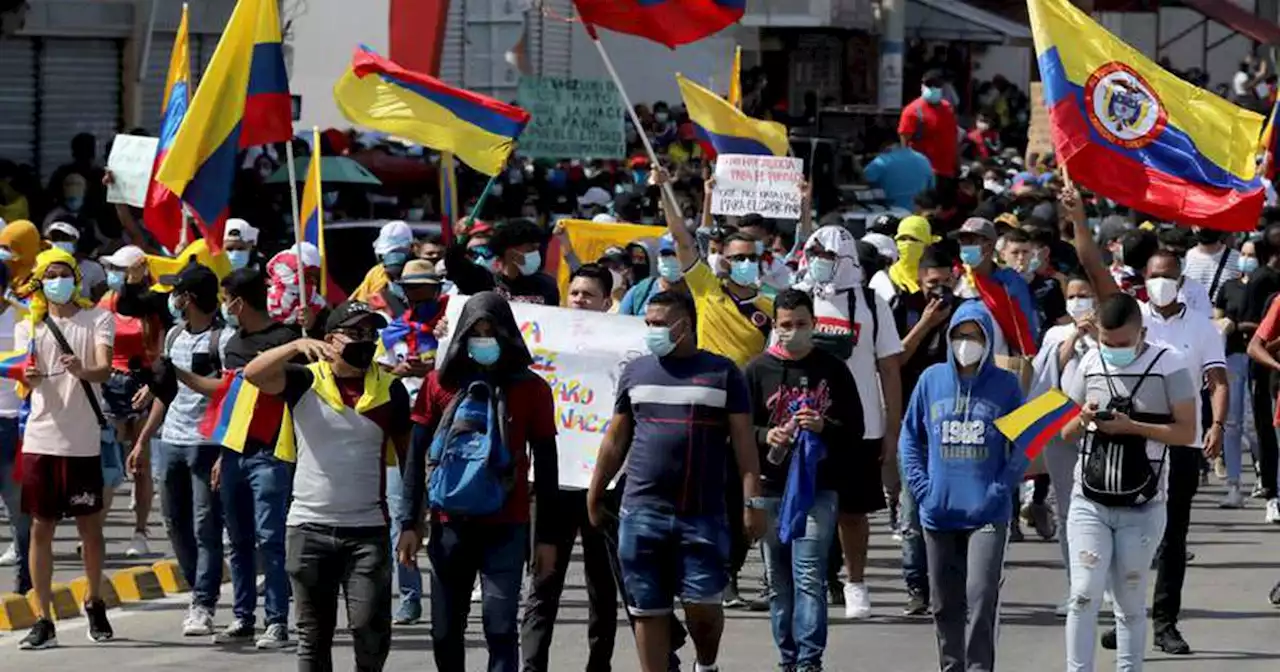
669 22
1007 314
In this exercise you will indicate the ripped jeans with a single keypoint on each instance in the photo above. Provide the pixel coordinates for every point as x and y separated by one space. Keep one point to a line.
1110 547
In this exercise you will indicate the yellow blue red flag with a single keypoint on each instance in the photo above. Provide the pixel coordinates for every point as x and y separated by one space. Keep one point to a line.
724 129
448 196
1033 424
735 79
313 210
378 93
163 213
243 101
238 412
1143 137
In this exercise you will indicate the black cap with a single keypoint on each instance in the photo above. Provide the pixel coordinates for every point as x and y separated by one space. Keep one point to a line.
352 313
934 76
885 223
193 279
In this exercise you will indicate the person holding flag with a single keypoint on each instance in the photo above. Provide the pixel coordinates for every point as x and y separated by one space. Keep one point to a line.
1003 291
311 224
163 216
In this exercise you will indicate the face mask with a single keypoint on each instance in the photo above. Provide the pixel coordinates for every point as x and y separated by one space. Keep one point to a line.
745 272
174 310
59 290
395 259
967 352
230 318
659 341
1247 265
1034 264
74 203
716 261
661 117
6 254
359 354
115 280
483 350
993 186
238 258
669 269
796 340
1118 357
910 252
1079 307
532 261
1162 291
931 94
822 270
69 248
971 255
483 261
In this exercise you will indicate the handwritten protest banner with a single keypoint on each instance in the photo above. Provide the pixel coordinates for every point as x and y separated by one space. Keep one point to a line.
581 355
130 163
1039 134
763 185
572 118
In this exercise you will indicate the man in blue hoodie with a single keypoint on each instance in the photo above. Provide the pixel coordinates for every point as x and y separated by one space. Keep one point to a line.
961 471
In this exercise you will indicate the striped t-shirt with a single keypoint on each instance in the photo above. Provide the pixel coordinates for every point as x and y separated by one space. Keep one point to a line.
1202 266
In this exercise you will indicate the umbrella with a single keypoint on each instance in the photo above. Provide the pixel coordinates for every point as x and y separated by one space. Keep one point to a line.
333 170
396 170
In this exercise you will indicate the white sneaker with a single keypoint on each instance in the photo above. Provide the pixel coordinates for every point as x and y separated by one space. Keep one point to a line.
10 557
857 601
1234 498
275 637
138 546
1063 608
198 623
477 595
1273 511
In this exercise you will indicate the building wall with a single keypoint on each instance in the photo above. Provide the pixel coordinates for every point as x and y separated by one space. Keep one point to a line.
648 69
324 33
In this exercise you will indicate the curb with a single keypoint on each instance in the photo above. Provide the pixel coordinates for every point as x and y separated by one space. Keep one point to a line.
170 576
137 584
63 605
15 612
107 592
134 584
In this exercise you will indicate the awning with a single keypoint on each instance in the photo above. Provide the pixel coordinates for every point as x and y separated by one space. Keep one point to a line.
1237 18
956 20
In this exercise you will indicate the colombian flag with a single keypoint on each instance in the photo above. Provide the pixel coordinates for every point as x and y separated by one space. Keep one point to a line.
735 79
669 22
313 210
238 412
243 101
1036 422
724 129
448 196
1009 315
13 365
1128 130
378 93
163 213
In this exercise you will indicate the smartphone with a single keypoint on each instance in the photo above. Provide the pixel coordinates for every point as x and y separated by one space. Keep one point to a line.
1104 415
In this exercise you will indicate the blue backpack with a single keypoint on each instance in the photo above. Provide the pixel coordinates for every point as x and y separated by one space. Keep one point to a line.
472 470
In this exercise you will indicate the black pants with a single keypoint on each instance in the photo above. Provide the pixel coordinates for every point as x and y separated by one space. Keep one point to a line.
1171 557
321 561
602 590
1263 412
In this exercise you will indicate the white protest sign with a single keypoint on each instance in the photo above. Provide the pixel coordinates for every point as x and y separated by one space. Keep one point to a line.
765 185
130 163
580 354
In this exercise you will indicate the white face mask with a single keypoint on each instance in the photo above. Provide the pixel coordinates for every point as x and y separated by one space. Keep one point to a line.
967 352
1079 307
1162 291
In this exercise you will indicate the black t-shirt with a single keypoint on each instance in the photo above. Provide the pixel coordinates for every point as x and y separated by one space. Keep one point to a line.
538 288
1262 284
392 417
907 312
242 347
1233 299
1050 301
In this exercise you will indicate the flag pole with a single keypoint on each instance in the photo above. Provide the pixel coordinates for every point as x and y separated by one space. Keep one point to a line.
484 195
297 224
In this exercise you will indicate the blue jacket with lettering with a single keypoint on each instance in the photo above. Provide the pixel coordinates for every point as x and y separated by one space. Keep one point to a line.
960 468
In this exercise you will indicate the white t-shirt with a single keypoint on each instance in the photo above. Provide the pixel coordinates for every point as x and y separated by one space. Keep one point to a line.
1202 266
1239 83
1195 297
62 422
833 312
883 286
9 401
1196 340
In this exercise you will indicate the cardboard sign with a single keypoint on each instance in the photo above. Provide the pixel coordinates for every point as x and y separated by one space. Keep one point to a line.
572 119
132 158
765 185
1039 135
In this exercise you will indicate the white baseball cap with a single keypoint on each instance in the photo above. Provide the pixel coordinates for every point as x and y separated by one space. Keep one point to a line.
595 196
63 228
239 229
124 257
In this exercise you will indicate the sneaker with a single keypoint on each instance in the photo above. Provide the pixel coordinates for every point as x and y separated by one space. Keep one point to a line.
410 612
42 636
1171 642
1219 468
477 595
1015 534
99 627
239 631
857 602
10 556
198 623
138 546
1234 498
1273 511
732 600
1258 491
760 602
1274 597
276 636
917 604
1041 518
835 591
1109 639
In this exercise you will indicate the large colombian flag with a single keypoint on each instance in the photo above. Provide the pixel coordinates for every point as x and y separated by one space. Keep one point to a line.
163 213
724 129
378 93
1033 424
313 210
669 22
243 101
1130 131
238 412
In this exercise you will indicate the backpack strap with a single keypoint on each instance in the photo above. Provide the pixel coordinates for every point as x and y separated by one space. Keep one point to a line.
1217 275
215 349
870 296
172 336
84 384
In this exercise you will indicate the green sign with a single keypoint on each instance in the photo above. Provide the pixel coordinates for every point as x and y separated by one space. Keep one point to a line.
572 119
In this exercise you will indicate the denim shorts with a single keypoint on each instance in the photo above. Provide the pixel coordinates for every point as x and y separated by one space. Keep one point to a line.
664 556
118 393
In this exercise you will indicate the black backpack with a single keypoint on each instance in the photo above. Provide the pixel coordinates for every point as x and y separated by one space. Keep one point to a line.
1115 470
842 345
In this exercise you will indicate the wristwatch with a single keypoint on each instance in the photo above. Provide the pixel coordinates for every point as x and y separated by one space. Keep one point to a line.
755 503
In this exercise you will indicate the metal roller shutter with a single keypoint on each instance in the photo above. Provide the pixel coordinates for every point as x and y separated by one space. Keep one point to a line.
80 89
555 51
18 100
455 47
153 84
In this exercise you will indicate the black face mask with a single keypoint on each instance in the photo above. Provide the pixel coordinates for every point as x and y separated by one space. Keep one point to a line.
359 354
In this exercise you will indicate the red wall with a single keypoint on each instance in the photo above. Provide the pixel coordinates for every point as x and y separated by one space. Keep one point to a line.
416 29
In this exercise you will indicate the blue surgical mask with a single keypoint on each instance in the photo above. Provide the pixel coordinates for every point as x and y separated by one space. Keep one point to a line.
659 341
115 280
230 318
1118 357
6 254
822 270
484 350
931 94
745 272
238 258
74 203
532 262
68 247
396 258
759 247
1033 265
174 309
58 290
1247 265
971 255
669 269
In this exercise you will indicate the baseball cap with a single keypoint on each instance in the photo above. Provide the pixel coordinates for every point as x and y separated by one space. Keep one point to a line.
419 272
666 244
63 228
884 245
352 313
976 226
193 279
595 196
605 218
615 254
239 229
124 257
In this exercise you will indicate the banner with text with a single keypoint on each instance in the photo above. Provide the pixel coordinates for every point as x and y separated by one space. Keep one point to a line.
131 160
765 185
580 354
572 118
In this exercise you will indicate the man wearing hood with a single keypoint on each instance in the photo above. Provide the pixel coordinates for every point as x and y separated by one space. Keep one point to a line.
961 471
486 346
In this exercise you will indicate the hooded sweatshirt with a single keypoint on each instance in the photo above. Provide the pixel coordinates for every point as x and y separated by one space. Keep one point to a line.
960 468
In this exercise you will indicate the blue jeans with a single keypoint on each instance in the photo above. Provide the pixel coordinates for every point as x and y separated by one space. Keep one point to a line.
255 498
408 578
458 551
1238 395
11 492
1110 547
192 514
665 556
915 564
798 576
